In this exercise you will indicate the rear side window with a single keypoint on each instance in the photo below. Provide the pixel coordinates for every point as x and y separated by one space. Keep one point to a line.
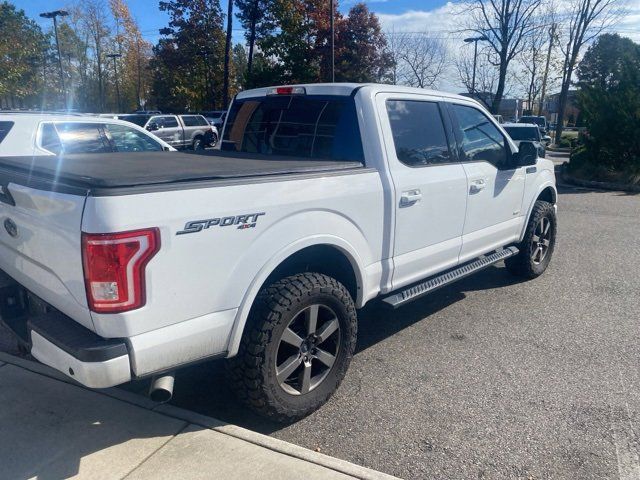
164 122
418 133
314 127
481 140
5 127
191 121
74 138
126 139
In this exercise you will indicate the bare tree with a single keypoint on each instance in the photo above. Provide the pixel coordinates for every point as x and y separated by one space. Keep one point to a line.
93 16
586 20
486 76
419 59
532 60
504 25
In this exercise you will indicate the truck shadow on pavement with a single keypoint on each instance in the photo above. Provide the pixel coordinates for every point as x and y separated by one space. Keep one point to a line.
203 388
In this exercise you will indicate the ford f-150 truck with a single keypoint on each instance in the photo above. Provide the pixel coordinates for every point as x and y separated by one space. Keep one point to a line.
320 199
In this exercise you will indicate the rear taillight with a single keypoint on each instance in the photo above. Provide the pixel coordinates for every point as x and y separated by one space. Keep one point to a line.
114 268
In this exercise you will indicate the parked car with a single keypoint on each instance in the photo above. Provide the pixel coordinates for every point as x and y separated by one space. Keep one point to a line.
540 121
528 132
183 131
148 112
322 198
216 117
53 134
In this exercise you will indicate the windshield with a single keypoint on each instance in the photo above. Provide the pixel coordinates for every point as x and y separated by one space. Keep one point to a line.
523 133
315 127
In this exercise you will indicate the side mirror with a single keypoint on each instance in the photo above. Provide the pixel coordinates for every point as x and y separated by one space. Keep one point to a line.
527 154
152 127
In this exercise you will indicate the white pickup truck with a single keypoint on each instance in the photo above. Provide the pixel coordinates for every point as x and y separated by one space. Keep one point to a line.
322 198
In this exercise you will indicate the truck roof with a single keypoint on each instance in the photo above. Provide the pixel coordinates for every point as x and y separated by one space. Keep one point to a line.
110 171
347 89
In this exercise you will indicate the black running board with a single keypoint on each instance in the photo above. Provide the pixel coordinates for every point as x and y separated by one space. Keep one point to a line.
416 291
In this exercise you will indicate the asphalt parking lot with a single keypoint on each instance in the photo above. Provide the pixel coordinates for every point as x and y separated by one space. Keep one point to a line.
490 377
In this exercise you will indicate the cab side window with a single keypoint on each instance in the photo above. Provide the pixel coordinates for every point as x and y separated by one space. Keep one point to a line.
418 133
481 140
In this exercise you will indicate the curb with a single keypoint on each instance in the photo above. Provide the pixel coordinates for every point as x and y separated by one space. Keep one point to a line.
600 185
274 444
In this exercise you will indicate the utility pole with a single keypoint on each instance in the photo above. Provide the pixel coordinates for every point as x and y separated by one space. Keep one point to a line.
115 56
54 15
475 41
333 41
552 36
227 54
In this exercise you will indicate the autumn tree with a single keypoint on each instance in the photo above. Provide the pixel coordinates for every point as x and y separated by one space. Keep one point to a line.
363 54
135 53
93 20
21 55
188 58
257 20
504 25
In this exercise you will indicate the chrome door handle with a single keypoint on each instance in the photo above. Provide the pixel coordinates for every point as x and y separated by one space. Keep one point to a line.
477 186
410 197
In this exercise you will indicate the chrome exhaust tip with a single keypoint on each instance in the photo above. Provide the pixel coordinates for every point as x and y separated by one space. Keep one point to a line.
161 389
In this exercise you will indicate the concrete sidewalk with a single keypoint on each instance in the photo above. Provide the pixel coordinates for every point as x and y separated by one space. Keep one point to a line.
51 428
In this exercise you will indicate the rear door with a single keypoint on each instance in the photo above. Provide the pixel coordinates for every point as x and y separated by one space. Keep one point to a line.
495 187
430 186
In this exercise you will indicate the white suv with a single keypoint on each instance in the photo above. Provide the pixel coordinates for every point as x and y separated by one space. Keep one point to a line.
25 133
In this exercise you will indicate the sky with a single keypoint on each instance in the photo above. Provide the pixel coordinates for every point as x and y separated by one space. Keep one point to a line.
150 18
433 16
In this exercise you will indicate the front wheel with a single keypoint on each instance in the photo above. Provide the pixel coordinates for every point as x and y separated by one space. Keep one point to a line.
198 144
296 348
538 244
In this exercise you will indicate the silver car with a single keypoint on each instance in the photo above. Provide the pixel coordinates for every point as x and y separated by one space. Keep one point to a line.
182 131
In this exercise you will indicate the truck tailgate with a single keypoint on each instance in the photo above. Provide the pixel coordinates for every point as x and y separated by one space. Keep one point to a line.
40 244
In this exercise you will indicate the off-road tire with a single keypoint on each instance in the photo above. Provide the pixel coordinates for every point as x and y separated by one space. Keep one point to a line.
198 144
522 264
252 373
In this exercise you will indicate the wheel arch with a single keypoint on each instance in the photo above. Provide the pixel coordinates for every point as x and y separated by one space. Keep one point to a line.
329 255
546 192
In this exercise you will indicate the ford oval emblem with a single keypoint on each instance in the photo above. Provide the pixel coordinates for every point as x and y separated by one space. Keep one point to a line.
11 227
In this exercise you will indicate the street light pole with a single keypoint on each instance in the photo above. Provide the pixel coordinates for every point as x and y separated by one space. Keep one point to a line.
333 42
475 41
114 56
54 15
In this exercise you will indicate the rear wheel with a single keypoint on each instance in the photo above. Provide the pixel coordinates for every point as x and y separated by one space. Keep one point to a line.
538 244
296 347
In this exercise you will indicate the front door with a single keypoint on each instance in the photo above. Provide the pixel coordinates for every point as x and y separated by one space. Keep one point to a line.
495 187
430 187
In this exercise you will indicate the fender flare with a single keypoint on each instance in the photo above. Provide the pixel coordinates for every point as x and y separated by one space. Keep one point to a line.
543 186
252 292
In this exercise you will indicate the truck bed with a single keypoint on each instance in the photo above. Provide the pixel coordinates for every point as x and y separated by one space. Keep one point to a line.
122 170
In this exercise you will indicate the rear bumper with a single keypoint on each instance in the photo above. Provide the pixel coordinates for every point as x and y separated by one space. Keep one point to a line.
61 343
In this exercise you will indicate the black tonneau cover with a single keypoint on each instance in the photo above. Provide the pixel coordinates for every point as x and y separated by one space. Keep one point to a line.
116 170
